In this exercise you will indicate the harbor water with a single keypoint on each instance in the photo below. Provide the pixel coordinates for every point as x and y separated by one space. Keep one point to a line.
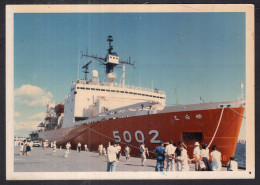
240 155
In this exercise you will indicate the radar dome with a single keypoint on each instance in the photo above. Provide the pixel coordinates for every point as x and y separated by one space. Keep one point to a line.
94 73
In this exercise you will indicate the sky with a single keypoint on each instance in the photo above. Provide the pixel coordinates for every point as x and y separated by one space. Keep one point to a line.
187 55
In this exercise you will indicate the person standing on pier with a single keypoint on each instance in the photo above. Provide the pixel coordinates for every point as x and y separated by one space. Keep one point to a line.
127 153
54 148
143 150
196 156
204 155
178 154
232 165
111 157
67 150
79 147
160 151
183 158
21 148
100 149
118 147
215 157
104 152
170 151
86 147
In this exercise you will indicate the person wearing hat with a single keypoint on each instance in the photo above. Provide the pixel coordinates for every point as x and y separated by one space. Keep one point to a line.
196 156
160 151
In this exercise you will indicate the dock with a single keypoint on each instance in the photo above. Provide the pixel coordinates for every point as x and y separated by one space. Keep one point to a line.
43 161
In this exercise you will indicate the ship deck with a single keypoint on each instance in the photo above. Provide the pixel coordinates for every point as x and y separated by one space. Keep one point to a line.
43 161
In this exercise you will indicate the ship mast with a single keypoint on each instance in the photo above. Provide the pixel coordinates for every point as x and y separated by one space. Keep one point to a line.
110 61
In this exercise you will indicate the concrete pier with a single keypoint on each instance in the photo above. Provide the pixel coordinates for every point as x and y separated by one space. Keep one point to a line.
43 161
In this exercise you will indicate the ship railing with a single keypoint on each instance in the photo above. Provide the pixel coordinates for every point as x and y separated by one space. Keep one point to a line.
133 87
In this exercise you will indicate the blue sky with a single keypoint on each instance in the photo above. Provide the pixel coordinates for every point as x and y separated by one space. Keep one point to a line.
187 55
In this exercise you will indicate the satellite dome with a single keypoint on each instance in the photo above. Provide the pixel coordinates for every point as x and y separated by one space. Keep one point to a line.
94 73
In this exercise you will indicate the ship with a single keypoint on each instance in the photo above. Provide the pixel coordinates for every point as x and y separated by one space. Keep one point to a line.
97 112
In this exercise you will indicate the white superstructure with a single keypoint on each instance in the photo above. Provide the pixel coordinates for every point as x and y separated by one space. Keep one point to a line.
88 99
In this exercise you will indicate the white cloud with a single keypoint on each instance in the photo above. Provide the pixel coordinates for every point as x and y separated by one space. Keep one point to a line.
17 114
27 125
32 95
30 123
38 116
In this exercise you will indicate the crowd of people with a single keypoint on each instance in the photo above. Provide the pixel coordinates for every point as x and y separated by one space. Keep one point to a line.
168 155
172 157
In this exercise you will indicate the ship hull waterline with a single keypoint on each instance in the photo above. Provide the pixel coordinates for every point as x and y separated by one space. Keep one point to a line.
186 126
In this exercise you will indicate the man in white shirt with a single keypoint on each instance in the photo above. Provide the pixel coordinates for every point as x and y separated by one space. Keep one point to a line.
111 157
79 147
196 156
169 152
216 159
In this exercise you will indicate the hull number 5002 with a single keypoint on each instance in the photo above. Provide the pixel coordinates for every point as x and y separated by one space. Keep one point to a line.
138 135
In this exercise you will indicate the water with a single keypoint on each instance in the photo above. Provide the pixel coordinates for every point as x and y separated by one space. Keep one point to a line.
240 154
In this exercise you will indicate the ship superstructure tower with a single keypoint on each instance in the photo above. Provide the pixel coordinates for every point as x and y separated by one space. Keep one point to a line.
91 99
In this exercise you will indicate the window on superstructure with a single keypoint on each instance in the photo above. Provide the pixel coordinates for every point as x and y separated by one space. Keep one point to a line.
117 91
102 89
138 94
112 90
122 91
92 89
130 93
97 89
108 90
77 87
82 87
135 93
87 88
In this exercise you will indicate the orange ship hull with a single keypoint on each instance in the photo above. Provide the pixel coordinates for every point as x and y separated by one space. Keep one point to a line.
187 126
